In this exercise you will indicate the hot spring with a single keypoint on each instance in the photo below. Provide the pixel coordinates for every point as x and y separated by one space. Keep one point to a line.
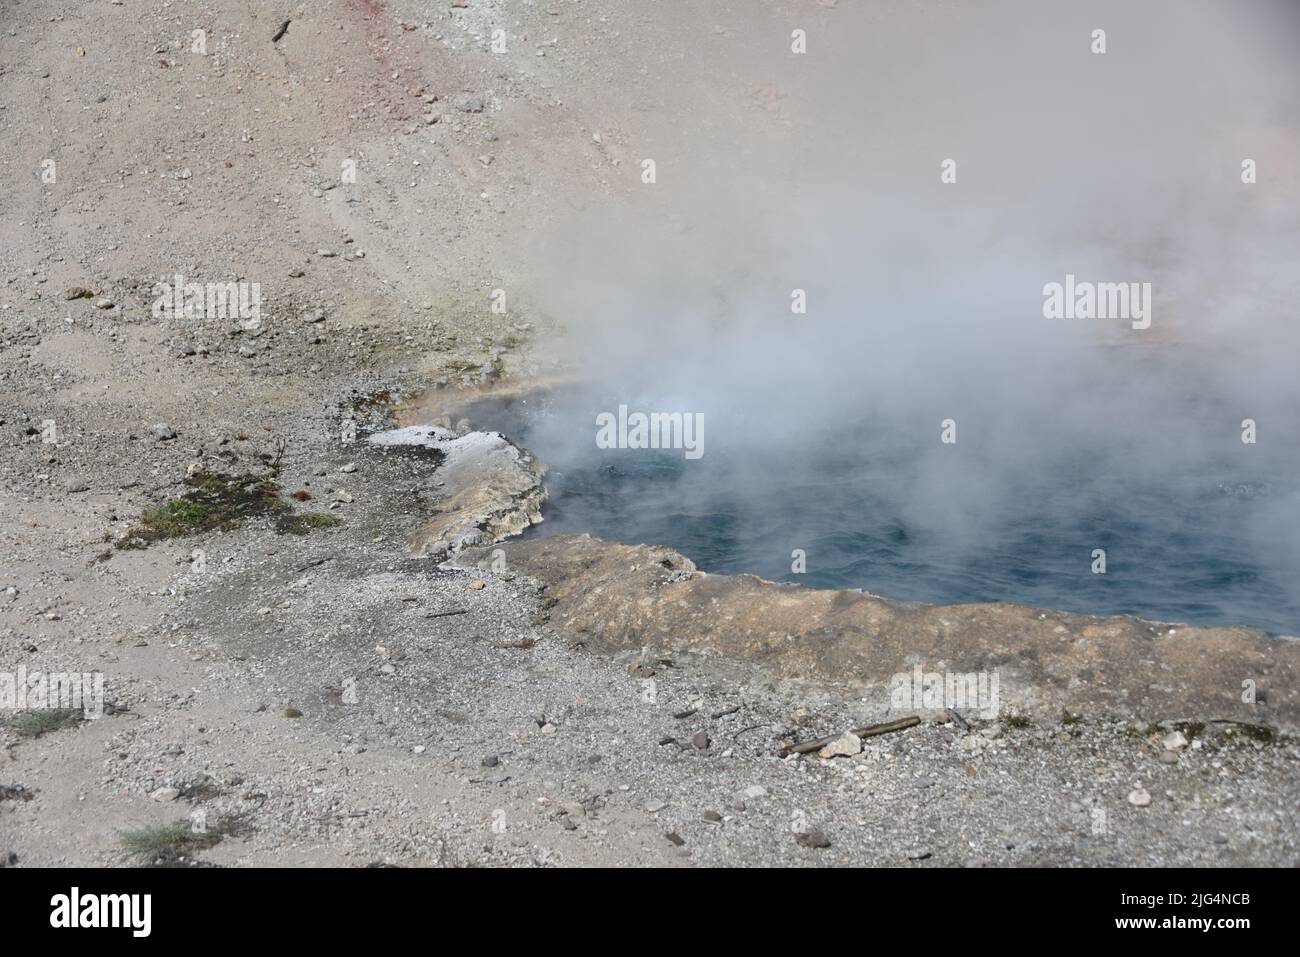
879 502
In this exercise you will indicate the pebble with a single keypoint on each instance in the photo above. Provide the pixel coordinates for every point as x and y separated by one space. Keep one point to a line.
164 432
1139 797
713 816
700 740
812 837
654 807
469 104
1175 741
846 745
165 794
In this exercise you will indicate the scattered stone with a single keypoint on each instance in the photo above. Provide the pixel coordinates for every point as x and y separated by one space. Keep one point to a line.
700 740
845 746
754 791
713 816
164 432
491 761
469 104
313 316
1175 741
1139 797
675 838
77 485
77 292
812 837
917 854
350 467
165 794
654 807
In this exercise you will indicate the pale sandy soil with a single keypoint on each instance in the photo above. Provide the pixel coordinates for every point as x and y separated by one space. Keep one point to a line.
225 166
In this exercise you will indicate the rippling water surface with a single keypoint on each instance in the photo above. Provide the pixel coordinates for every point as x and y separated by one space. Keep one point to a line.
874 507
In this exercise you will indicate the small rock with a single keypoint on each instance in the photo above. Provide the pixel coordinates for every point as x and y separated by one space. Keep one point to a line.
1139 797
675 838
1174 741
654 807
917 854
165 794
846 745
491 761
77 292
469 104
77 485
700 740
350 467
713 816
812 837
754 791
164 432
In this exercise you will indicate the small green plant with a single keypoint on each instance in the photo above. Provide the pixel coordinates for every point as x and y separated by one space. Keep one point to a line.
292 713
33 724
1070 719
222 502
177 517
1016 721
167 844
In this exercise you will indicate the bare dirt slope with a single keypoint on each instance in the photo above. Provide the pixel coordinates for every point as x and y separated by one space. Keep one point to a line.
324 698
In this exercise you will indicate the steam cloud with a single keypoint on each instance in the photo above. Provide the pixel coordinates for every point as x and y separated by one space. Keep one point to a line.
925 299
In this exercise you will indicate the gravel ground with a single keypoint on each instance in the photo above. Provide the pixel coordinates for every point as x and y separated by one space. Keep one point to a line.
324 698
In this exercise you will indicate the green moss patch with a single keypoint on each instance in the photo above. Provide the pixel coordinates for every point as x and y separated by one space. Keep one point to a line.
221 502
33 724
